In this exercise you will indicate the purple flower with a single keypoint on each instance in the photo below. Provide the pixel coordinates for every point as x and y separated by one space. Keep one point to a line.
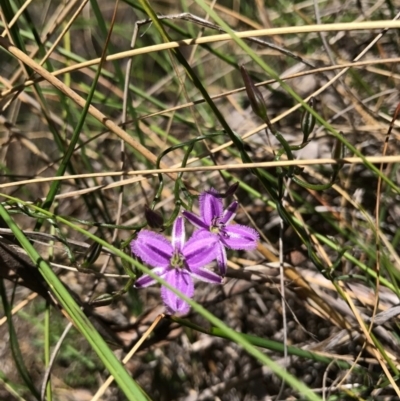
216 220
176 262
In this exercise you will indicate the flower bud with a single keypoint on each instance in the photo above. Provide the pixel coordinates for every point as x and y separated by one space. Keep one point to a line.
91 255
338 148
232 189
308 121
102 300
229 192
256 99
154 219
338 152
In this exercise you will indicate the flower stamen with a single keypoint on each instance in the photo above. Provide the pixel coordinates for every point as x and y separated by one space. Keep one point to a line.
177 260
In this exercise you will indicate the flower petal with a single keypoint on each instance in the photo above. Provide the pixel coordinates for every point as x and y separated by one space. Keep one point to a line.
181 280
152 248
200 249
206 275
230 213
201 232
146 280
195 220
178 234
210 206
239 237
222 260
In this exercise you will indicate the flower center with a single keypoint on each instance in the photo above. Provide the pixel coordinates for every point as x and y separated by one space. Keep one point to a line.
177 260
216 226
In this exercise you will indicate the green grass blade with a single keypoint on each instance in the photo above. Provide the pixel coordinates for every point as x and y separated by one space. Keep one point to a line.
16 351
